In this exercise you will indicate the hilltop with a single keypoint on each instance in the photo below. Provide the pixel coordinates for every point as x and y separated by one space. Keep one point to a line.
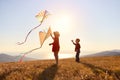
90 68
8 58
105 53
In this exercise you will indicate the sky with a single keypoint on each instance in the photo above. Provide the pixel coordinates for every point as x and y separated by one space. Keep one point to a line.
95 22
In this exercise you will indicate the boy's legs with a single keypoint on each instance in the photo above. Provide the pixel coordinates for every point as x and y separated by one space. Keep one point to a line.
77 56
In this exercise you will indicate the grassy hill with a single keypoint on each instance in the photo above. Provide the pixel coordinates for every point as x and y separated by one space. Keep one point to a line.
92 68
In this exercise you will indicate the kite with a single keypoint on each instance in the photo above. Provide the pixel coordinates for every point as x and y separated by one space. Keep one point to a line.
42 35
40 16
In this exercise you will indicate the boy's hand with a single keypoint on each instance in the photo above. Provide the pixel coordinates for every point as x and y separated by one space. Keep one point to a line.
72 40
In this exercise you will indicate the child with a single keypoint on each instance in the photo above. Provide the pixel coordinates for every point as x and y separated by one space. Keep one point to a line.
55 45
77 48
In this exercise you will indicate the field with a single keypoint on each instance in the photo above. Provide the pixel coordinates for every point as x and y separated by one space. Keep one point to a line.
91 68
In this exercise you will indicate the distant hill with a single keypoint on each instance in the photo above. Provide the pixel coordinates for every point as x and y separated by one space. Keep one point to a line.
106 53
8 58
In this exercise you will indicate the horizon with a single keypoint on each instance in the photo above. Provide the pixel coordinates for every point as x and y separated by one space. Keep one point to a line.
49 55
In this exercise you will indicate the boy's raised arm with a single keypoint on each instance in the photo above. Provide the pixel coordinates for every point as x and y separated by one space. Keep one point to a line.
73 42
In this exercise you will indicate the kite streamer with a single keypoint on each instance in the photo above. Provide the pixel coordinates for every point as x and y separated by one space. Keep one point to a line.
20 43
21 59
40 16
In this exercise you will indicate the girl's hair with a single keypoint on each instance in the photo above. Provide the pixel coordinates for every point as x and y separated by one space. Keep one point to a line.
56 33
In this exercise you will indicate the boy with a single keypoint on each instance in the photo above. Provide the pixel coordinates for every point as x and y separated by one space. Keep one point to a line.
77 48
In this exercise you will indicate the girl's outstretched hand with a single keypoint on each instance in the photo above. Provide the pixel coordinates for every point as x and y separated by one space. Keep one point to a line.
50 44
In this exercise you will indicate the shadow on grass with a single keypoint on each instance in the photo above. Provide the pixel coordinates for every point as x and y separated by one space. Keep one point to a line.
98 70
48 73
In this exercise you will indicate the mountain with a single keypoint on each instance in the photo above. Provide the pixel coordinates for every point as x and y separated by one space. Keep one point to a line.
116 50
8 58
106 53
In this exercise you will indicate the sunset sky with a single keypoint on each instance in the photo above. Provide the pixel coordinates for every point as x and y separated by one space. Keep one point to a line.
95 22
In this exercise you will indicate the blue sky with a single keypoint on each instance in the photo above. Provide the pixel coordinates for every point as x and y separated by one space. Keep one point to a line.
95 22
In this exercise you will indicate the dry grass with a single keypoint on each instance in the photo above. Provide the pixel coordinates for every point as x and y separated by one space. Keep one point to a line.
94 68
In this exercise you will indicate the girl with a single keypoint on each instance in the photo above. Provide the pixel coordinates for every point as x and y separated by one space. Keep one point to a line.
55 45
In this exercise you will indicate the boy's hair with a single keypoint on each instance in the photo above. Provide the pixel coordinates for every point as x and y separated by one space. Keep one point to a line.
78 40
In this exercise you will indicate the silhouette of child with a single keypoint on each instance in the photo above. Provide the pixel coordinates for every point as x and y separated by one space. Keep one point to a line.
77 48
55 45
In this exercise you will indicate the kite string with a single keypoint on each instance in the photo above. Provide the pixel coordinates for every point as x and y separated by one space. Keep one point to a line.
24 54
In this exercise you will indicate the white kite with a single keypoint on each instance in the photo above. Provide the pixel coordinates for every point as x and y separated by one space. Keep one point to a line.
42 35
40 16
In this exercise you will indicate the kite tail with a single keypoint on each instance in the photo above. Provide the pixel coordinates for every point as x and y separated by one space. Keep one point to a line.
21 59
19 43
